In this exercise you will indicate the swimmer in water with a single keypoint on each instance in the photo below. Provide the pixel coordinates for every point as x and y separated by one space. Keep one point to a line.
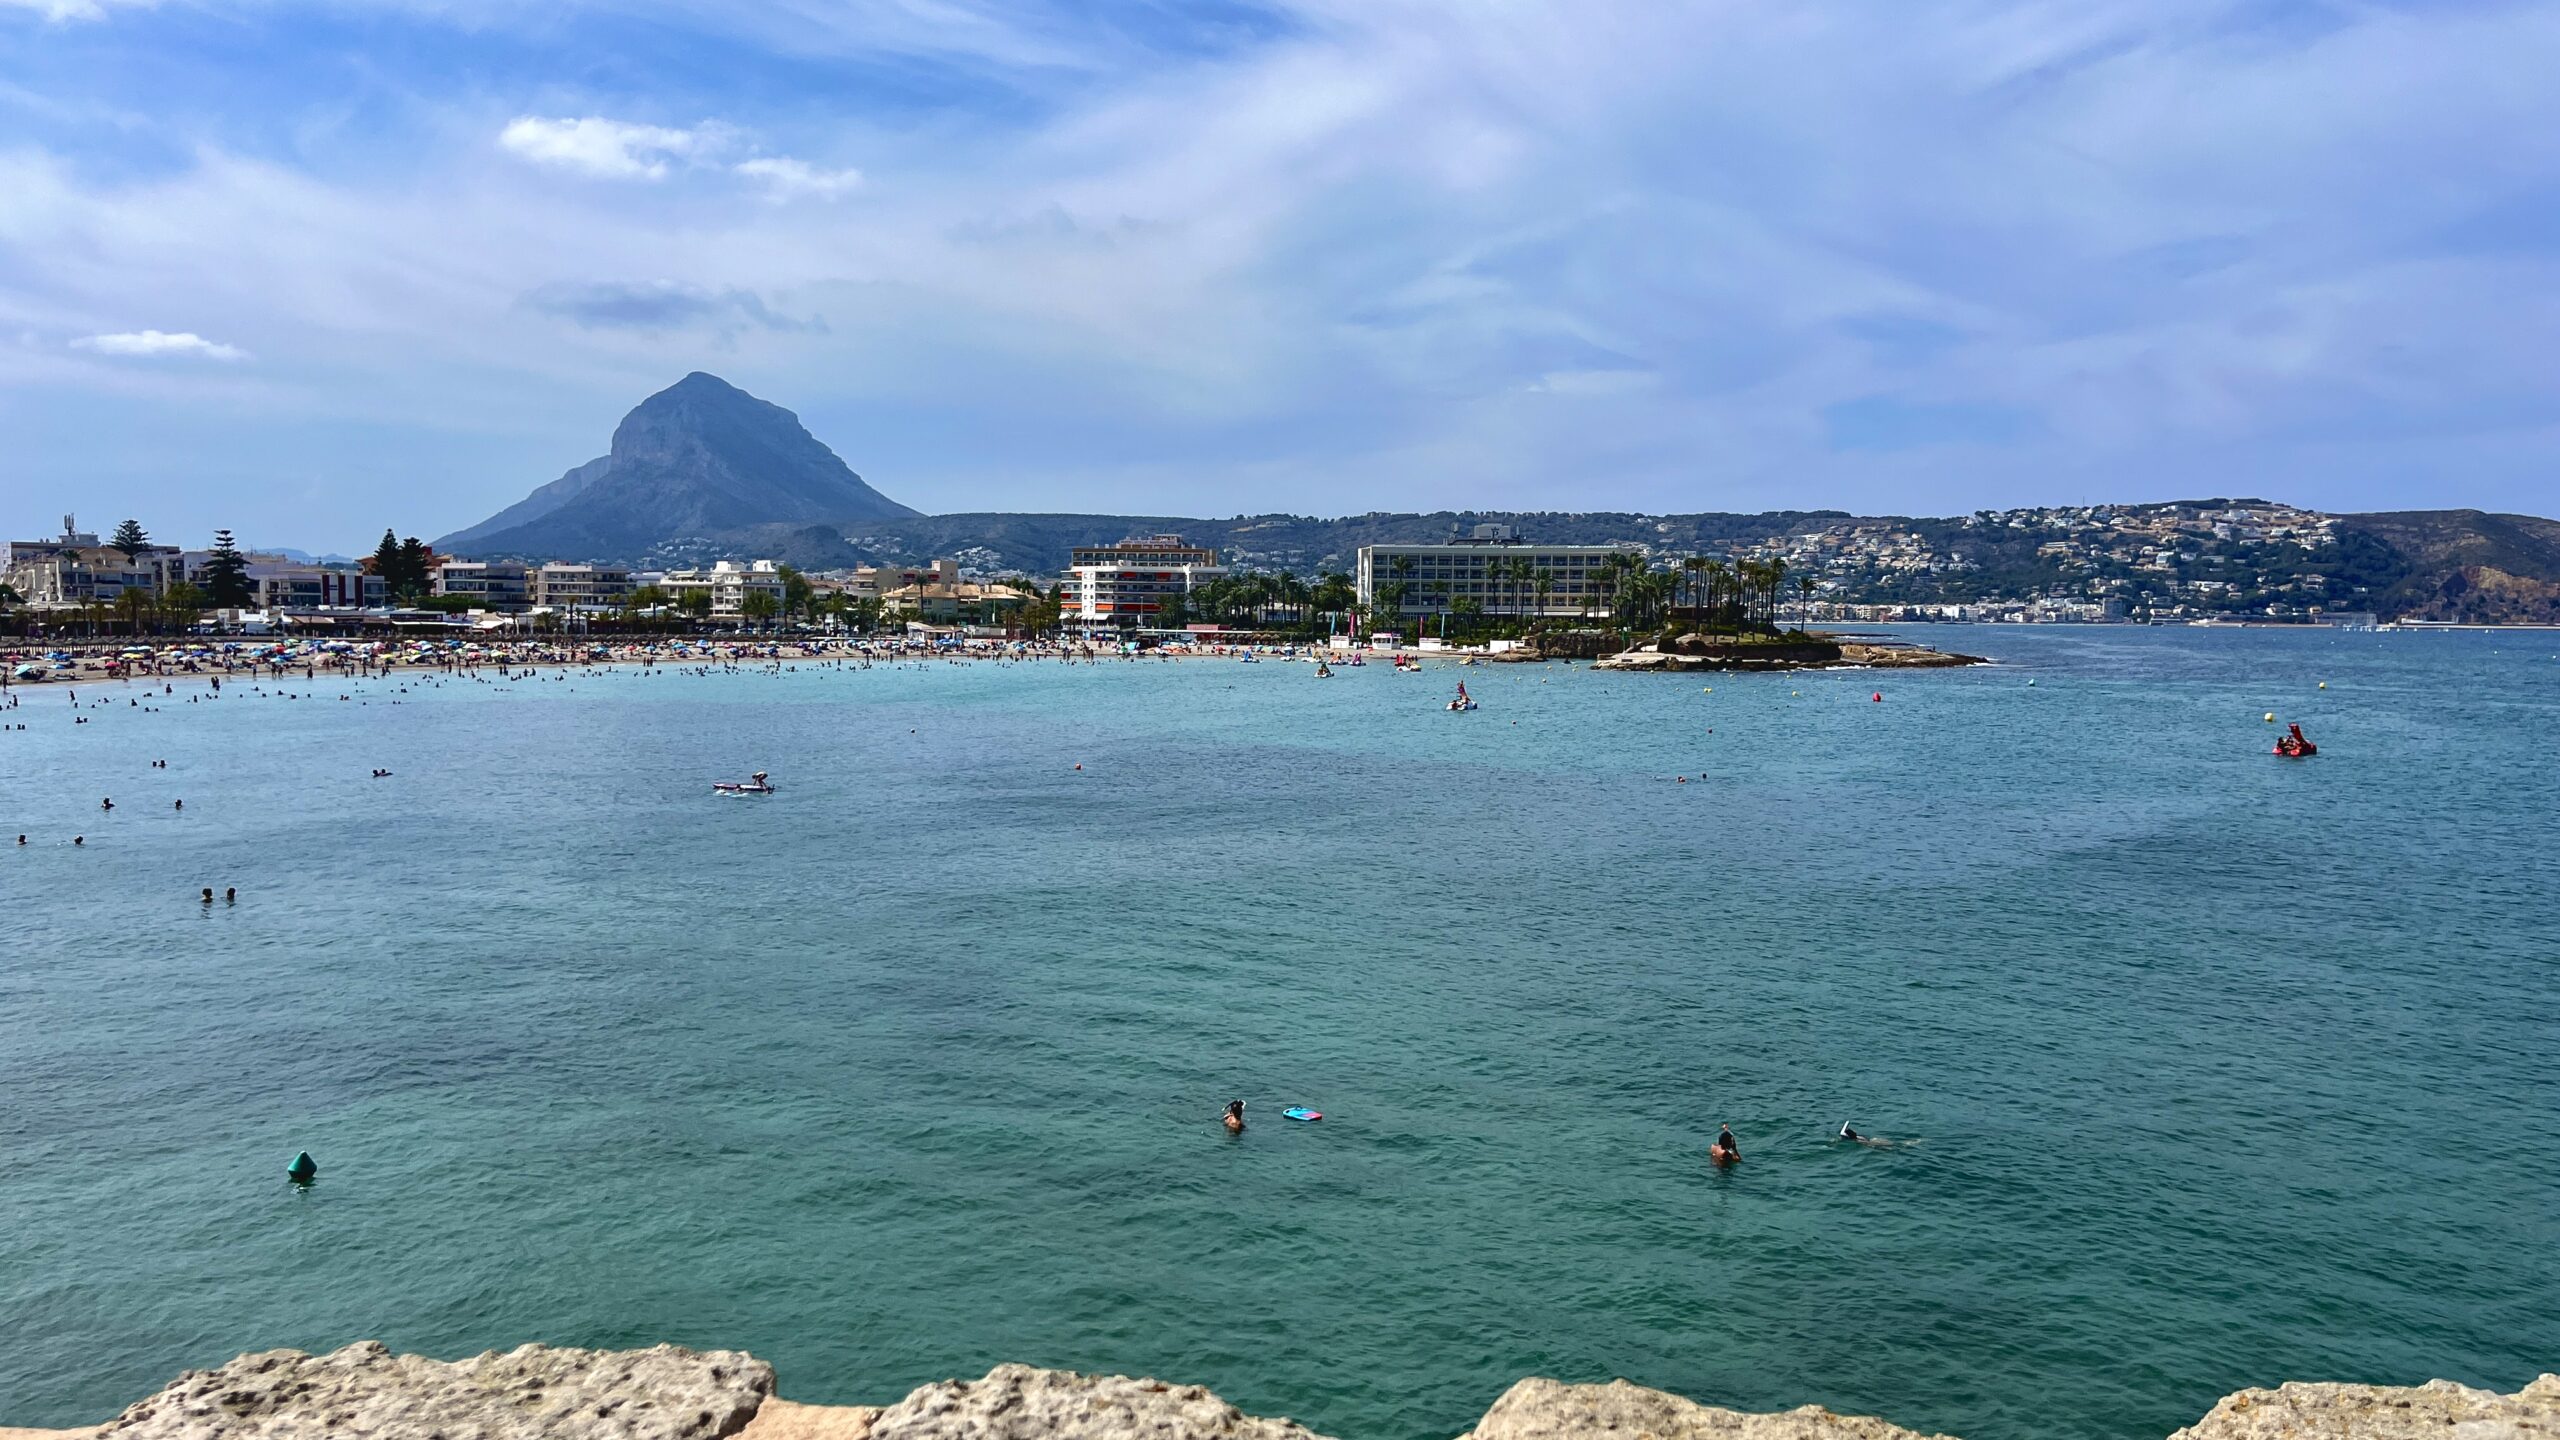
1872 1142
1233 1119
1724 1151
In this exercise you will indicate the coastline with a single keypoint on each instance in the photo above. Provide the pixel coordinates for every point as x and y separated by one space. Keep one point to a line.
539 1392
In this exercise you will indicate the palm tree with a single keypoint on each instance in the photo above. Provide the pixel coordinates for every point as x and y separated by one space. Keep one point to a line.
1545 584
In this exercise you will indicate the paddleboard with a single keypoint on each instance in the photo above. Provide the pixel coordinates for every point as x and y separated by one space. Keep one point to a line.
1301 1112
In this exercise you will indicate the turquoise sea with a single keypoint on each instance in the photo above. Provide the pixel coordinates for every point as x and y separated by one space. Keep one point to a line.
2222 1069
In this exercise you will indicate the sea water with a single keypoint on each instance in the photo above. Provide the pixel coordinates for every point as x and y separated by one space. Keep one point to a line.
2215 1069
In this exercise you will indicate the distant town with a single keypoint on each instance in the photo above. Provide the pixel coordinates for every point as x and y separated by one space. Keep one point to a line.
2225 561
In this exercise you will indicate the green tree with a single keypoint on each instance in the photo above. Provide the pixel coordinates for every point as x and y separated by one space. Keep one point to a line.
760 605
131 539
695 601
796 592
225 574
413 578
386 562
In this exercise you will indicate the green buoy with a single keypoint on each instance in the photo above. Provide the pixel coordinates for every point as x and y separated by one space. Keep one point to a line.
303 1169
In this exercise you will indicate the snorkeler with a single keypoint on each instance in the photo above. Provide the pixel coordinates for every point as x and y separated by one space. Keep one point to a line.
1724 1151
1233 1119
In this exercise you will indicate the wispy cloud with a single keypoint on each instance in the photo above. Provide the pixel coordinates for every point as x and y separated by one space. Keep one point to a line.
61 11
664 305
155 343
612 149
785 178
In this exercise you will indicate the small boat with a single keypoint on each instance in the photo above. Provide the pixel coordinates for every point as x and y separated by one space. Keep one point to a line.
1464 701
2295 745
757 784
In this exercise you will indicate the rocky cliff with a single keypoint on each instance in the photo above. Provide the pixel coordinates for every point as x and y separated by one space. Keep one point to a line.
537 1392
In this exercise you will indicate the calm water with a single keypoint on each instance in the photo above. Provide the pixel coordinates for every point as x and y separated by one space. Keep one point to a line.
2229 1069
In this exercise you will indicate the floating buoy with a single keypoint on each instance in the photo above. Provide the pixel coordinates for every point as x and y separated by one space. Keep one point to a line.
303 1169
2031 684
1079 767
1879 697
2324 684
2271 717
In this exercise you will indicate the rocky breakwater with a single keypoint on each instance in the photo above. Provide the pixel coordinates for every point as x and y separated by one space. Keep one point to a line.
1795 652
540 1393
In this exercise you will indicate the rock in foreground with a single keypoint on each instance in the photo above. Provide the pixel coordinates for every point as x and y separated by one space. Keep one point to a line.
1549 1410
664 1393
2383 1412
1016 1402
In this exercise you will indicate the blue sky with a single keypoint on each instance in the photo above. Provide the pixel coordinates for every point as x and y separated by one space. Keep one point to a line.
310 269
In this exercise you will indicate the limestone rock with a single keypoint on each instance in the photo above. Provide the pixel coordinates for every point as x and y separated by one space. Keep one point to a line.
1016 1402
782 1419
2439 1408
532 1391
1538 1409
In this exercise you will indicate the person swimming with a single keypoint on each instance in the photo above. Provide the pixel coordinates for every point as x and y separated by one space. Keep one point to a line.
1724 1151
1233 1119
1872 1142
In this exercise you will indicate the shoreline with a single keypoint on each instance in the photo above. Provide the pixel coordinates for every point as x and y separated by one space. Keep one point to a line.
539 1392
106 663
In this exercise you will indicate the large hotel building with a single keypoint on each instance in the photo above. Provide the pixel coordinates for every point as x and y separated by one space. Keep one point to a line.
1499 571
1126 585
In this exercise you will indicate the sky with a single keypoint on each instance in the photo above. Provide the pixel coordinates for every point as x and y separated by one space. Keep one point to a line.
310 268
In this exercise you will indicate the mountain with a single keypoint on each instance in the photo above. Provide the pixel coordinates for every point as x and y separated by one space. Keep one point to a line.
701 458
2468 565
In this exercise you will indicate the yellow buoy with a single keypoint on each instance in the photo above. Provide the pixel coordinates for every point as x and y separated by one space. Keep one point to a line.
2271 717
2324 684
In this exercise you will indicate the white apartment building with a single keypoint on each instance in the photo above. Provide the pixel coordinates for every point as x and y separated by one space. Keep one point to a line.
1127 584
1497 570
562 585
500 585
729 584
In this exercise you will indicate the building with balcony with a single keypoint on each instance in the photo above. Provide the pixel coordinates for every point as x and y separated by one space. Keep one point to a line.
1126 585
728 583
562 585
504 586
1501 573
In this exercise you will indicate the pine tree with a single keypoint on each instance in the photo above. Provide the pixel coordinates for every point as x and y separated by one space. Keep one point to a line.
131 539
386 561
413 567
225 575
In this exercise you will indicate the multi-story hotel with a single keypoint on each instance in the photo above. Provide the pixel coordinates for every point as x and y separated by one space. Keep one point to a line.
564 586
500 585
1500 572
1127 584
729 584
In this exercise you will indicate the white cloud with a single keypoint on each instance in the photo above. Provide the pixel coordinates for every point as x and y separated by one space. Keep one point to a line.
785 178
60 11
613 149
160 342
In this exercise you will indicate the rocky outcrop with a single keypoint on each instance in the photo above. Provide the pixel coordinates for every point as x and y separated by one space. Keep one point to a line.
2438 1408
1016 1402
664 1393
1549 1410
1811 652
540 1393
